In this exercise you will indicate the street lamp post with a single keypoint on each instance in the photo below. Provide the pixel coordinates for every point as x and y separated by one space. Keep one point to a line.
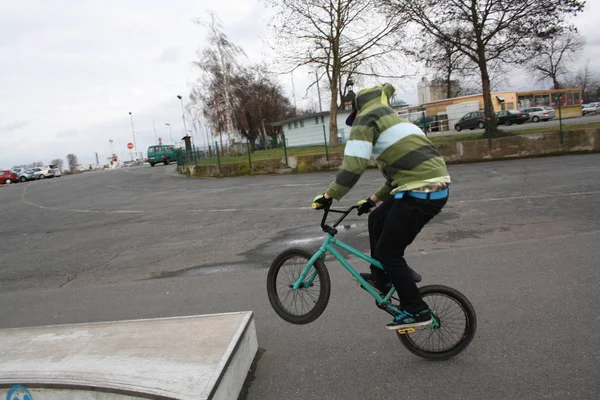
169 125
318 91
182 114
133 132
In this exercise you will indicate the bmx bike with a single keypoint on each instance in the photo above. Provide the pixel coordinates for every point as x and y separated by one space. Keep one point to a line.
304 292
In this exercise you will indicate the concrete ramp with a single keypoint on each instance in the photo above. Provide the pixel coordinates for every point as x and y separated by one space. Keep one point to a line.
194 357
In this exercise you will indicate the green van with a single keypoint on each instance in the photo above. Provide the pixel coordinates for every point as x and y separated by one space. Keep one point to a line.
161 153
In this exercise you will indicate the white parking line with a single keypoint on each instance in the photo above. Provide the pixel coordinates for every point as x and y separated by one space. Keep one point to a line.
76 210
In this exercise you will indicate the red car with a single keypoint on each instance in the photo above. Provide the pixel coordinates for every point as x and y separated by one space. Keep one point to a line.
8 177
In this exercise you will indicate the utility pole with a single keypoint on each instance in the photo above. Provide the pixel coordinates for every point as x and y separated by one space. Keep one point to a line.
319 91
293 92
155 137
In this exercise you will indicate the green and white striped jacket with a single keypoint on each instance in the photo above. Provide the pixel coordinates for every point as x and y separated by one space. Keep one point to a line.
404 155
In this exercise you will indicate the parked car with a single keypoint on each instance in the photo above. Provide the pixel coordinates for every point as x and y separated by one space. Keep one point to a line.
43 172
537 114
24 174
7 177
427 124
509 117
590 109
56 170
471 121
161 153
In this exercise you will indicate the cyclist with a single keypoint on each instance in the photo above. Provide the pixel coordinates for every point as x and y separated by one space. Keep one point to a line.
415 191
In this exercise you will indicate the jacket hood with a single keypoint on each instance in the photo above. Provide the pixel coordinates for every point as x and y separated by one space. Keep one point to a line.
376 96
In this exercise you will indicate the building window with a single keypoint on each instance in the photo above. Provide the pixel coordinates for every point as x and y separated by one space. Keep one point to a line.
289 125
322 119
316 120
301 123
295 124
576 98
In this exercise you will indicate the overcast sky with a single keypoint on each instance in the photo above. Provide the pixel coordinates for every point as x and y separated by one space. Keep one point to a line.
70 71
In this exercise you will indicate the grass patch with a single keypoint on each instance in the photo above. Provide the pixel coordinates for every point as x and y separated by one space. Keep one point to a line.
273 154
277 154
556 129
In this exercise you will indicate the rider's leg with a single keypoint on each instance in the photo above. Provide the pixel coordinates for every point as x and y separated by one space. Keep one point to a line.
376 223
404 221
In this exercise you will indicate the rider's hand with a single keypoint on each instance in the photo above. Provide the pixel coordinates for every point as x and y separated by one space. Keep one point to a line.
365 206
321 202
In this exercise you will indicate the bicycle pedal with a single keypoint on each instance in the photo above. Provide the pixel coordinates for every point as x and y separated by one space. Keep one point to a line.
405 330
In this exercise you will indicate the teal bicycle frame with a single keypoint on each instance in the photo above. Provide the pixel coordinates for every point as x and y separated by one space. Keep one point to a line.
328 246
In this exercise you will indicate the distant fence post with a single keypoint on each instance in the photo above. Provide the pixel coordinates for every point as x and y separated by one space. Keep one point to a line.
249 155
325 138
195 159
560 119
285 149
209 151
218 156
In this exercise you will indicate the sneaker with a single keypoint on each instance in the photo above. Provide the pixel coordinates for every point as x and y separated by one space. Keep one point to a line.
406 320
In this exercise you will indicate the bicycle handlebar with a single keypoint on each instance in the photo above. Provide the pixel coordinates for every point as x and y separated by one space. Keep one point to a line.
327 210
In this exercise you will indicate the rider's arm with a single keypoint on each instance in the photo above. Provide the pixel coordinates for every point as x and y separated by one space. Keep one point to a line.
356 160
383 193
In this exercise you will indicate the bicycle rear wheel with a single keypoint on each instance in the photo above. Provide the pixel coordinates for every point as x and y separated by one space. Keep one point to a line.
457 325
305 304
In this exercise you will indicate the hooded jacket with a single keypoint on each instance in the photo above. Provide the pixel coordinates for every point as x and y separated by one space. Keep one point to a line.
404 155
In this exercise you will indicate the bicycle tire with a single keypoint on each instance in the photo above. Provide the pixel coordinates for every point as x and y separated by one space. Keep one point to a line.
467 335
323 294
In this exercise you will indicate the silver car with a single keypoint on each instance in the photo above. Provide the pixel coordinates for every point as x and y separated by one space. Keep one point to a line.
43 172
537 114
591 109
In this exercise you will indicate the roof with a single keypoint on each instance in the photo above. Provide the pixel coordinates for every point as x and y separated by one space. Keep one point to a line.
548 91
306 116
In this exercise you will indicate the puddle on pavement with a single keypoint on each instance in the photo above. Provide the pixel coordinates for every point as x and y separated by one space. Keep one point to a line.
354 233
207 270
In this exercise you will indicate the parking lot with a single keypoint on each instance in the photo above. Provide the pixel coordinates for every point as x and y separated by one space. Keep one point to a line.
529 125
519 238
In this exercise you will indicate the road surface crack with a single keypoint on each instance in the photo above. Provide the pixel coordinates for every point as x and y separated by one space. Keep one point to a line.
69 279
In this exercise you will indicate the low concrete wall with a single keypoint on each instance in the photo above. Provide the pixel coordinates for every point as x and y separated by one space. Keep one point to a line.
522 146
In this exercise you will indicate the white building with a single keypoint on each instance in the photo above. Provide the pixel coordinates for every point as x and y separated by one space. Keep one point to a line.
435 90
307 130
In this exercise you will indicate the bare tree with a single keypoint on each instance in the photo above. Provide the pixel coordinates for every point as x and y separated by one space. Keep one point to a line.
486 31
36 164
445 61
73 161
587 79
554 56
218 62
59 162
338 38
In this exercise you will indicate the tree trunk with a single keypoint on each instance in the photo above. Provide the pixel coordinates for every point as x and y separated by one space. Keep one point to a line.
333 109
556 84
488 106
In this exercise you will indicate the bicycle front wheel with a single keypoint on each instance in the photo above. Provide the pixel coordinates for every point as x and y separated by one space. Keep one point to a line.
456 325
305 304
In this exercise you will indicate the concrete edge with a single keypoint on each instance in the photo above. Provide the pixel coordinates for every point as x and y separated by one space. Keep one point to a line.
229 379
226 383
124 321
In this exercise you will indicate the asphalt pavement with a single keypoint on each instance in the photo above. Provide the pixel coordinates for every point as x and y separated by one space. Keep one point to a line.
519 238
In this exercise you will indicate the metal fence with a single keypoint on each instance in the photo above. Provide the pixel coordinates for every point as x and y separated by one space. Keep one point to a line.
217 154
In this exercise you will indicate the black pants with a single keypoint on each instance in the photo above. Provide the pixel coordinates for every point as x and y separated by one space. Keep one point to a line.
393 226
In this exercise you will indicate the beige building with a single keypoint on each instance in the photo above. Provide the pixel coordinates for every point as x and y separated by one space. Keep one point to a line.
570 101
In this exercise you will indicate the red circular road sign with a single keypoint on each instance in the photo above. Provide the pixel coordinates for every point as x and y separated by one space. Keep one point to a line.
130 146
